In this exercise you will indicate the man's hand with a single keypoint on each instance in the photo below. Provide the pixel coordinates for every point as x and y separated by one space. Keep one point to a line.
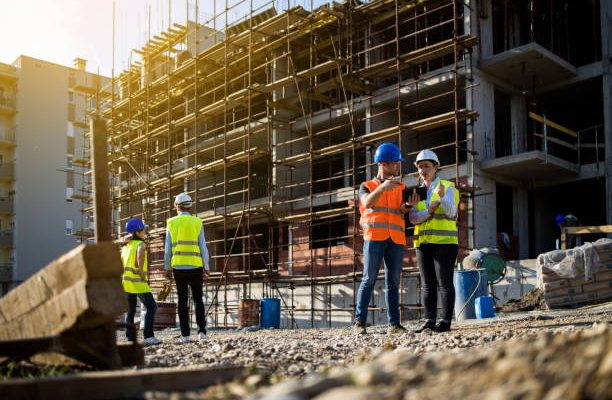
440 190
205 273
389 184
168 274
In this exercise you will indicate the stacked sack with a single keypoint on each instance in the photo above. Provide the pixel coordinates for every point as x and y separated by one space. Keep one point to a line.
576 276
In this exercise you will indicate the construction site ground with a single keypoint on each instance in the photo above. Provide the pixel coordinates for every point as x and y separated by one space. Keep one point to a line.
523 355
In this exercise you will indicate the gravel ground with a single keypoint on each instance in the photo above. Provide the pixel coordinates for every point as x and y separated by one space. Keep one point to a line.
313 355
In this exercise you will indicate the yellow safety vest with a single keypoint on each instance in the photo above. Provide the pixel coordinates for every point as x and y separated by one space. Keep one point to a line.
184 232
132 282
439 229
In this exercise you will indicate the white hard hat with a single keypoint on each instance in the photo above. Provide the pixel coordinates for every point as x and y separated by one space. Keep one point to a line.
427 155
183 199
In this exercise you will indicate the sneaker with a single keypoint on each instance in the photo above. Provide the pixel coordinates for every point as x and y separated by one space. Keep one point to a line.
184 339
151 340
396 328
428 324
359 328
202 336
443 326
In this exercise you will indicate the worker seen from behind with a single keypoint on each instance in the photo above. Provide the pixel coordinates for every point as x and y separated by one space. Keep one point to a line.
136 281
435 240
382 209
186 258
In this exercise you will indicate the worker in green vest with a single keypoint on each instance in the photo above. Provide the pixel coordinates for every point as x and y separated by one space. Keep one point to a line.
136 281
186 258
435 240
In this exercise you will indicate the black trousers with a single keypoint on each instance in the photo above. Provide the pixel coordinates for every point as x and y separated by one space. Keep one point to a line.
194 279
436 264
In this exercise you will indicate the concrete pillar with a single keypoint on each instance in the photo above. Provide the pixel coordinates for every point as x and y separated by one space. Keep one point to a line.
518 124
521 221
485 209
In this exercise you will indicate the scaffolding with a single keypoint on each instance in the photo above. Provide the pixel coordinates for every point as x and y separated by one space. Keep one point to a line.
269 122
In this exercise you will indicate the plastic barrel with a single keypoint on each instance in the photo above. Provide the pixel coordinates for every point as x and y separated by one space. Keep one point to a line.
484 307
465 282
270 313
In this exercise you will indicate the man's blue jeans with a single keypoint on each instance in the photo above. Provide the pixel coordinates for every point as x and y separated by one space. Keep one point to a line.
374 253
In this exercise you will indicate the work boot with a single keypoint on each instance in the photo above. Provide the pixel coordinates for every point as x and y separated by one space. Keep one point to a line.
359 328
184 339
396 328
202 336
443 326
428 324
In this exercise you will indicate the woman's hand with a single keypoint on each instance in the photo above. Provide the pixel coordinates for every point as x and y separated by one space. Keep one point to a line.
414 198
433 206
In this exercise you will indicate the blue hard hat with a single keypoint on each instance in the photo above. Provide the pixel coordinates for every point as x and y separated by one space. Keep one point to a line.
559 219
134 225
388 152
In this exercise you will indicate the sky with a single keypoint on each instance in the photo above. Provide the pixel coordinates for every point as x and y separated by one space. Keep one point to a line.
59 31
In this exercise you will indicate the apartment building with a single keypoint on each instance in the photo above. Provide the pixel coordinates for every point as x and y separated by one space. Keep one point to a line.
42 123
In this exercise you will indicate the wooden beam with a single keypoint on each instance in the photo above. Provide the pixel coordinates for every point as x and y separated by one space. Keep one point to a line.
117 384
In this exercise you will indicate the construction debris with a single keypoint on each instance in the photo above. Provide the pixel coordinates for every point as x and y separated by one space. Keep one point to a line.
69 307
576 276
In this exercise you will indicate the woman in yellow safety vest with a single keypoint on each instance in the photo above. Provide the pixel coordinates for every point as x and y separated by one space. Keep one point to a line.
136 282
435 240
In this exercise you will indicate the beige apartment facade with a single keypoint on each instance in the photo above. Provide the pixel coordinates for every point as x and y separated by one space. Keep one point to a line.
42 123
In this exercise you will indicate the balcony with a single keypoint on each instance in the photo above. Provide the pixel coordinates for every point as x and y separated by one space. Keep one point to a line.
6 205
7 104
7 171
527 66
8 72
552 153
6 239
7 136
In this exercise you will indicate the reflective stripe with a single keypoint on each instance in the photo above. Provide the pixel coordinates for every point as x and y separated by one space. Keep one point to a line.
383 225
187 253
444 216
130 279
382 209
438 233
185 242
132 270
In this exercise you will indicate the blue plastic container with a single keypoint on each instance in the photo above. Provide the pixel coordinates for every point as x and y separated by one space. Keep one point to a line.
270 313
484 307
466 282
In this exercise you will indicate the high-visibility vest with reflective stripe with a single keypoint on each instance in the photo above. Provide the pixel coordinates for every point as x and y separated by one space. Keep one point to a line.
184 232
439 229
132 282
383 220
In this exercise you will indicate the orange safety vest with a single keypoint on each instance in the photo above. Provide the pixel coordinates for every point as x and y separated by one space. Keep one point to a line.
384 219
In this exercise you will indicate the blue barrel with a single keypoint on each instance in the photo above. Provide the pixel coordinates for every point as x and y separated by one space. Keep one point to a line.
484 307
270 313
465 282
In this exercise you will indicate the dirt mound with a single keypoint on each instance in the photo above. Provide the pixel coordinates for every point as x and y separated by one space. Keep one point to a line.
533 300
574 366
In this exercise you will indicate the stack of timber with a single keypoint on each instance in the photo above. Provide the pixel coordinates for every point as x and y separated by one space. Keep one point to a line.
576 276
69 307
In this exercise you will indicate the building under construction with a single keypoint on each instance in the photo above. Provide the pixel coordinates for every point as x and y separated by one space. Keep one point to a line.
270 123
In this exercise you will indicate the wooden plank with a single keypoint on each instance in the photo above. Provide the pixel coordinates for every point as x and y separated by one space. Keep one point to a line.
99 164
81 289
117 384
